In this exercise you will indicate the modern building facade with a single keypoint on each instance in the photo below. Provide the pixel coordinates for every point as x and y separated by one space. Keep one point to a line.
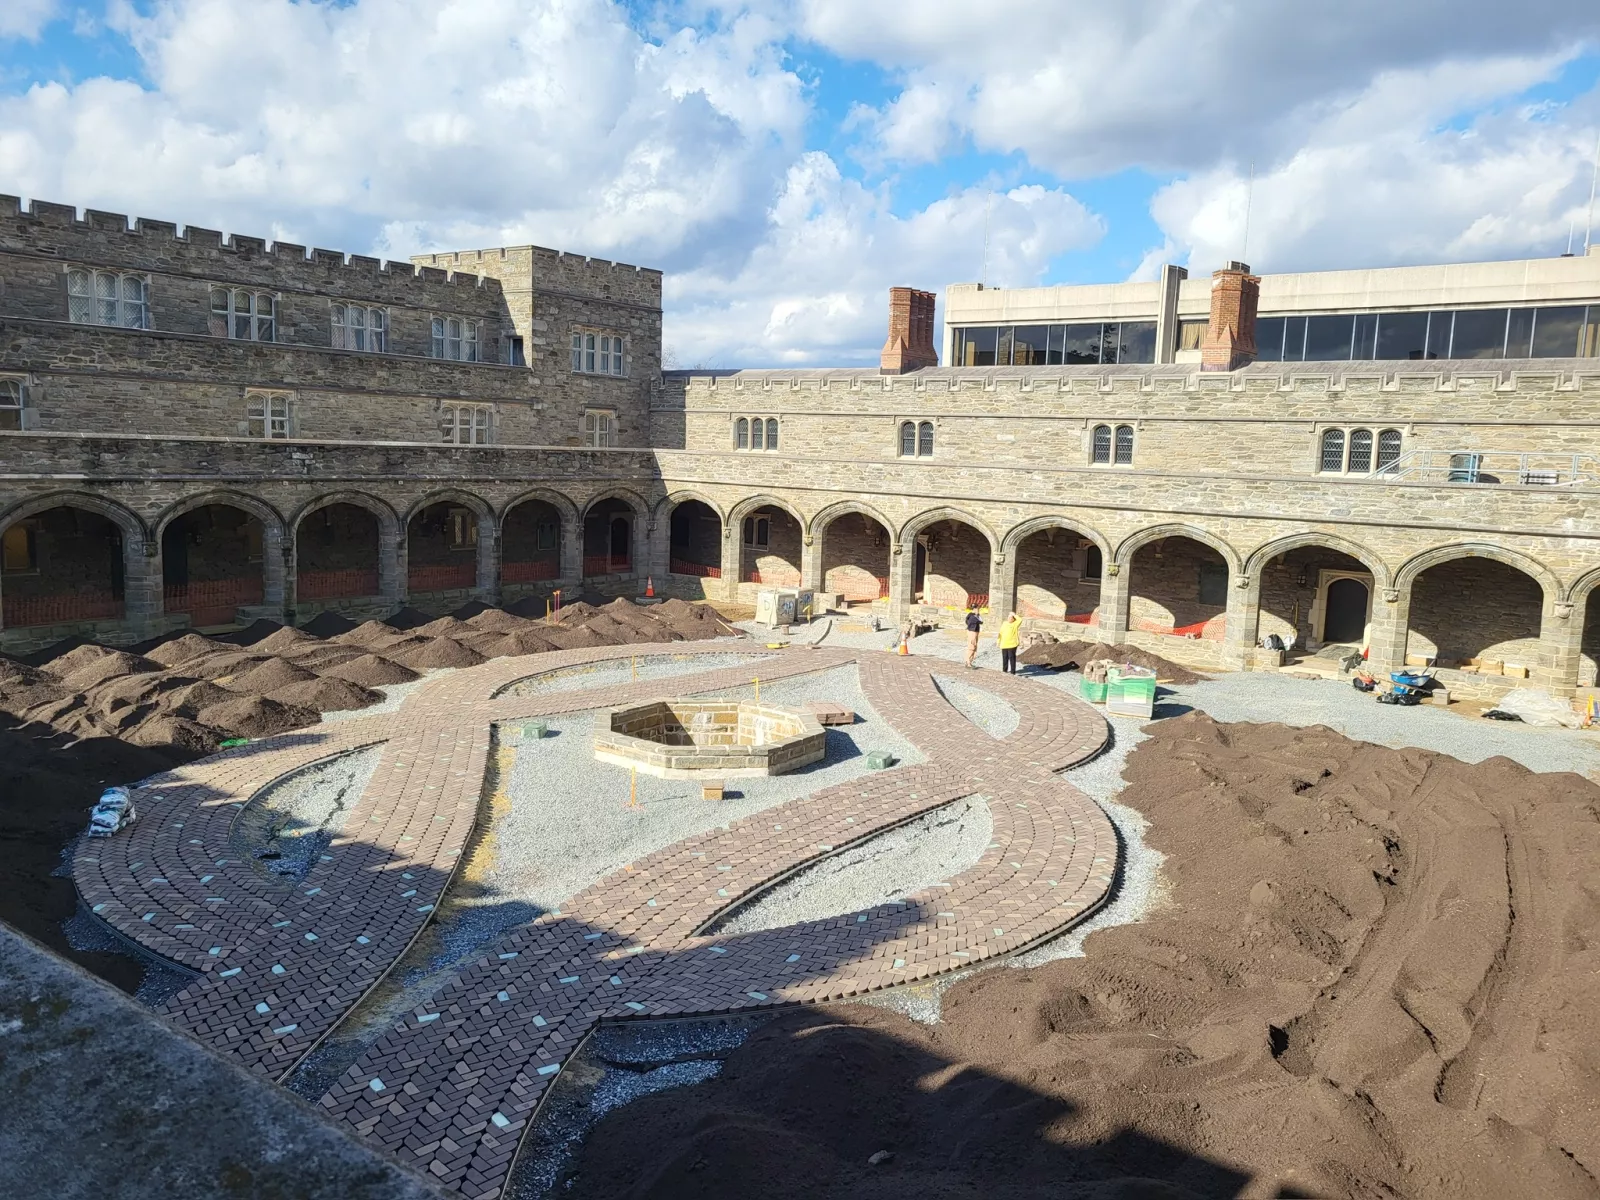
197 430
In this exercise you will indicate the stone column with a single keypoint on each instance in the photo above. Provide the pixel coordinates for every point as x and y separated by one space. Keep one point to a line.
275 571
488 581
1002 584
1115 593
392 564
659 563
639 549
902 578
1560 646
142 600
571 551
732 560
1391 627
811 562
289 566
1244 612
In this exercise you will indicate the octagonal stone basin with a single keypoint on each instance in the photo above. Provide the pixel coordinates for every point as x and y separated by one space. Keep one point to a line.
729 739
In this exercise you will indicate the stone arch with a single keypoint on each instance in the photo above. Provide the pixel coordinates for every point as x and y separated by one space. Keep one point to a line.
271 519
1019 533
933 516
437 563
556 500
1406 576
779 559
640 506
480 506
1262 555
388 520
827 516
762 500
663 509
1135 541
1578 593
120 515
341 579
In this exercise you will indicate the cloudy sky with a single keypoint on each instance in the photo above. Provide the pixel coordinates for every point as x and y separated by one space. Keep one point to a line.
786 161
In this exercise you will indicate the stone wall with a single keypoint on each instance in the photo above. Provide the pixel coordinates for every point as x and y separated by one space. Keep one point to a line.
1167 588
1475 609
855 557
1051 583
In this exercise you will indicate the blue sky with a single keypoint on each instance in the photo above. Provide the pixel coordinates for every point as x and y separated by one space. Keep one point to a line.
787 160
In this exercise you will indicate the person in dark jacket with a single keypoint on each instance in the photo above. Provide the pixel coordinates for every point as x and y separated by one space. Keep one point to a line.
974 628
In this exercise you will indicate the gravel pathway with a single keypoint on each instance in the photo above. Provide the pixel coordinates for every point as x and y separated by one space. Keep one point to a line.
285 827
983 708
890 867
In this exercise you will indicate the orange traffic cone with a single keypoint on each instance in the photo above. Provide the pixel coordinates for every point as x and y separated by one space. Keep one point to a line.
904 649
649 585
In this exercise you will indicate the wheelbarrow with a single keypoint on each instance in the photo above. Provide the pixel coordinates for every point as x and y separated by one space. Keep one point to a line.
1405 688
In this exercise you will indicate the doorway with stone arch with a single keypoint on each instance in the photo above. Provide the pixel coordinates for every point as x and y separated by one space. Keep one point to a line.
1342 611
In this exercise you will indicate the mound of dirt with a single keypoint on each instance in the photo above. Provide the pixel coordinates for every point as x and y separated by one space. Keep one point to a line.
23 687
578 637
529 606
191 696
473 608
370 671
327 625
1062 655
575 613
407 618
434 653
176 732
256 716
691 621
180 650
497 620
443 627
321 656
325 695
256 631
368 633
108 664
286 641
224 665
269 676
1375 977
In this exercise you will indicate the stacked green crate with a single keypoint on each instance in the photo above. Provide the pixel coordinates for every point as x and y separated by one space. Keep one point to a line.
1131 691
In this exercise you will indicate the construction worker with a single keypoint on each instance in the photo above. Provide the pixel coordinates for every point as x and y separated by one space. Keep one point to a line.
1010 634
974 628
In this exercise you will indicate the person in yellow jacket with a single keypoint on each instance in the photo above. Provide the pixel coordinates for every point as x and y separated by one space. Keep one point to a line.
1010 635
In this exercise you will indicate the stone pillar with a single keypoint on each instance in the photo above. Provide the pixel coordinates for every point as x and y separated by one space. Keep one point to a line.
811 562
1002 584
571 551
392 564
1167 318
1391 627
909 346
142 599
659 563
902 578
1115 594
732 559
639 549
1231 337
289 557
1244 612
1560 647
275 571
488 581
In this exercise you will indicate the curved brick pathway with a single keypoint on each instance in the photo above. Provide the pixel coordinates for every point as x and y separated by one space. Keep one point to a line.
453 1088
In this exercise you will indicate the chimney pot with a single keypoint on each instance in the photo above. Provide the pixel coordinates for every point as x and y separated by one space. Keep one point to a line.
909 346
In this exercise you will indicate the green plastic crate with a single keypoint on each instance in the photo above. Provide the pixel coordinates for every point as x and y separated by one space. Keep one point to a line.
879 760
1094 693
1131 694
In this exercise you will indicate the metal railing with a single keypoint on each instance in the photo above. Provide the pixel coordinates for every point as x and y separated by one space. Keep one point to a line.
1503 467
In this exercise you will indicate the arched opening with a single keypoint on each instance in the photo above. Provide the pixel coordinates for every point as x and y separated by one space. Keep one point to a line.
530 547
694 538
769 548
951 569
1058 577
855 558
336 554
442 553
1476 613
608 539
1589 657
1313 596
60 566
1178 585
212 563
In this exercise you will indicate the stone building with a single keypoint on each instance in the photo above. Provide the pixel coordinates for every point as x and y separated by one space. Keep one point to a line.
197 430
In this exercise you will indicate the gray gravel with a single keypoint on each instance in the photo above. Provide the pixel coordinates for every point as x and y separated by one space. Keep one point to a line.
983 708
889 867
394 695
622 670
286 826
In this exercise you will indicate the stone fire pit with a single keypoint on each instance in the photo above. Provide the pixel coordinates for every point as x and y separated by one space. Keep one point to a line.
685 739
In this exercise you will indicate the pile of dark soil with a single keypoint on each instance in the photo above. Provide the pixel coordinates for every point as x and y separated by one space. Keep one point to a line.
1376 977
1047 652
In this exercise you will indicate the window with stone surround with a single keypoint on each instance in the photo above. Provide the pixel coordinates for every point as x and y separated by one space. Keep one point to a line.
455 339
462 528
755 433
599 428
1351 451
467 424
598 353
916 439
244 316
108 298
758 532
13 397
359 327
1111 445
268 414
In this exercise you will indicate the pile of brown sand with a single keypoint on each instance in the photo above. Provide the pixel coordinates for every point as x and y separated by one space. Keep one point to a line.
1376 975
325 695
370 670
1047 652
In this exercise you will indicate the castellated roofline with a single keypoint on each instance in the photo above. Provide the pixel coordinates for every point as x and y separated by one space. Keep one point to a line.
32 227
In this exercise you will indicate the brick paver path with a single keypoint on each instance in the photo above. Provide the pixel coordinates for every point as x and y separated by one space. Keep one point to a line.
453 1087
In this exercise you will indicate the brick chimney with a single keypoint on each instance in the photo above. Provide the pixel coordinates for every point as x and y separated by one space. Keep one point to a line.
1231 338
910 343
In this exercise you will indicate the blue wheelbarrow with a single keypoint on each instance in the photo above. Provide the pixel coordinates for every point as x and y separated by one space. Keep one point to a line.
1405 688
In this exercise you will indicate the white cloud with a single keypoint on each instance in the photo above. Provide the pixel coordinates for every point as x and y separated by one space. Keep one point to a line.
1382 180
26 18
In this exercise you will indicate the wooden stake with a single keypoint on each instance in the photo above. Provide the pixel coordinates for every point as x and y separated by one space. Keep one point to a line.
633 788
636 668
757 682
